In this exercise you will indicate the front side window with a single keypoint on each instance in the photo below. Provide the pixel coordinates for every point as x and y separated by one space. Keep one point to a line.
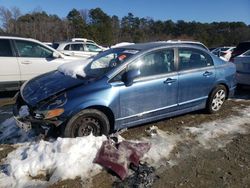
5 48
67 47
155 63
32 49
193 58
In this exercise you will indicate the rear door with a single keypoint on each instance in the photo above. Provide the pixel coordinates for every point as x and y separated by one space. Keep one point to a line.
35 59
9 69
196 77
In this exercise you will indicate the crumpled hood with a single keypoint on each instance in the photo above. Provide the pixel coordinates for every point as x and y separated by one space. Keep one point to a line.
47 85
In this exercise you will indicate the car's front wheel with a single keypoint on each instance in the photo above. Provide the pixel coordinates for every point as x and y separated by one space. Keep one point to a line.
216 99
86 122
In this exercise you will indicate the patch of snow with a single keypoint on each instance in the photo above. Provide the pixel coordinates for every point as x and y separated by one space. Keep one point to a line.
65 158
11 134
211 134
162 144
74 68
121 44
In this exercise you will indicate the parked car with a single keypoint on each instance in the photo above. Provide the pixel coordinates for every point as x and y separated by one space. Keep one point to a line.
125 87
80 49
224 52
240 49
22 59
242 63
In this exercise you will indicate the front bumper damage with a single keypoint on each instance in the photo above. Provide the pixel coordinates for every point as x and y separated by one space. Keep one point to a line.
27 119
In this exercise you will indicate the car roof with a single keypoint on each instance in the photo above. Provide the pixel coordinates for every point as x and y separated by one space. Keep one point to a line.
150 45
19 38
73 42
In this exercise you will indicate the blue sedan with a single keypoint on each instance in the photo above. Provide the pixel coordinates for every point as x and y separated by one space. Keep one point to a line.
124 87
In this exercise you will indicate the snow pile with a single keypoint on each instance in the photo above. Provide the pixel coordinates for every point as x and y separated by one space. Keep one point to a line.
11 134
65 158
74 68
211 134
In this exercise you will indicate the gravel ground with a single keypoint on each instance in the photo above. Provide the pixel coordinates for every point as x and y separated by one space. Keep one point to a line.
194 165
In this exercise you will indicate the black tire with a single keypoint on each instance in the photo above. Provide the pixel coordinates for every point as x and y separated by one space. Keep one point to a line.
86 122
216 99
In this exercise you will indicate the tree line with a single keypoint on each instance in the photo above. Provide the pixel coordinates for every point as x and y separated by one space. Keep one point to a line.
95 24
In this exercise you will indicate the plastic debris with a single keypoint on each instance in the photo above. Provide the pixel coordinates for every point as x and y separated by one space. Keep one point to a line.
118 156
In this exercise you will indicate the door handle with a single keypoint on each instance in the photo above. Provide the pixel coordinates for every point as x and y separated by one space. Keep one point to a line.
26 62
207 73
169 81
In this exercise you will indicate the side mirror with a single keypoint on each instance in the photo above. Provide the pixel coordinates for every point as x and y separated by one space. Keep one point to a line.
128 77
56 55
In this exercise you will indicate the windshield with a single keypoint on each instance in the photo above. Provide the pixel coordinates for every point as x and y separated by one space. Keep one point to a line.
106 61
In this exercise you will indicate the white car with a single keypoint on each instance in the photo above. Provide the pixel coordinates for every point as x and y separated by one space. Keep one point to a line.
80 49
22 59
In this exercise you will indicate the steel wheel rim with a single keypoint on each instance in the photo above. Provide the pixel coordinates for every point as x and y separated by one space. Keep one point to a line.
87 125
218 100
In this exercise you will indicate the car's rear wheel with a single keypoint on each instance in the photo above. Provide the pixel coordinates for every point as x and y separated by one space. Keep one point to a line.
86 122
216 99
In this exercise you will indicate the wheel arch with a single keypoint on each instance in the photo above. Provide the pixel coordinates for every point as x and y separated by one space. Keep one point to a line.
218 84
107 111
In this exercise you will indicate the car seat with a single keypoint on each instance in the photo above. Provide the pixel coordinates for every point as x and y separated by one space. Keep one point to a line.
159 65
195 61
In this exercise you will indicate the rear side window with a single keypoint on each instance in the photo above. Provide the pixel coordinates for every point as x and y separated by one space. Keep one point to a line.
77 47
193 58
5 48
32 49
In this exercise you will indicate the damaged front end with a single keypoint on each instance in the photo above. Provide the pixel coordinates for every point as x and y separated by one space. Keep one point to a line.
42 117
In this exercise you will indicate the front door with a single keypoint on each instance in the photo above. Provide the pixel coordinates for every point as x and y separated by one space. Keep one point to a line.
153 93
35 59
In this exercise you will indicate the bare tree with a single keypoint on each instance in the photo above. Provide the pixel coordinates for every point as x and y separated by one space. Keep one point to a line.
5 17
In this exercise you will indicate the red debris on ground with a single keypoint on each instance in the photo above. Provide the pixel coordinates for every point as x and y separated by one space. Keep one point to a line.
118 156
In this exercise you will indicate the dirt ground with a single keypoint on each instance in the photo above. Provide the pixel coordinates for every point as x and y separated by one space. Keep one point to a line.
227 166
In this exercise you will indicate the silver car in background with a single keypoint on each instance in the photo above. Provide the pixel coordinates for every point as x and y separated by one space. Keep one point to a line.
242 63
80 49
